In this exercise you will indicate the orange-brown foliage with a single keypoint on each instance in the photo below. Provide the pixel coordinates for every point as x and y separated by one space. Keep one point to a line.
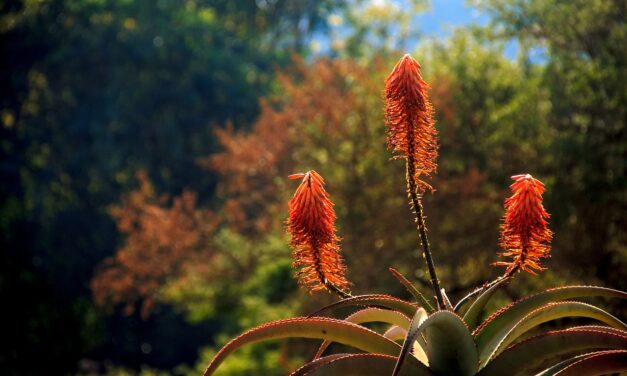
160 239
252 160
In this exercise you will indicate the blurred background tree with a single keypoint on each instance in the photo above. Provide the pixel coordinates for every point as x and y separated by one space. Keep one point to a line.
145 147
582 46
93 91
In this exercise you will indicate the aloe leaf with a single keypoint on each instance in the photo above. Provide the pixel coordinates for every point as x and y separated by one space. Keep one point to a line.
395 333
446 300
317 327
371 315
412 290
495 327
597 364
539 352
546 313
366 365
412 332
472 314
551 371
377 300
598 328
450 347
316 363
463 304
554 370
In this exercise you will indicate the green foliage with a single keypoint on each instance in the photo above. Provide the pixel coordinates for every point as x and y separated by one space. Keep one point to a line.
584 65
264 359
263 292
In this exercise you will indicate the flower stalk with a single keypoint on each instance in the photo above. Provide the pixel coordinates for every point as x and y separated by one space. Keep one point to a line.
417 209
412 136
524 233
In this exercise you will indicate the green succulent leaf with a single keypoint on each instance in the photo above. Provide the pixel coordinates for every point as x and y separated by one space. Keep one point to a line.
371 315
395 333
412 333
495 328
539 352
472 314
446 300
598 328
551 311
316 363
412 290
551 371
364 365
372 300
554 370
318 327
463 304
600 363
450 347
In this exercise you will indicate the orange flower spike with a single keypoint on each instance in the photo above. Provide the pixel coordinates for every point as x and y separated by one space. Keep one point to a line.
311 224
525 235
409 116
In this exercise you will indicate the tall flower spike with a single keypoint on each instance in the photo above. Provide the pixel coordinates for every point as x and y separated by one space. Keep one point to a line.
409 116
412 136
524 233
311 224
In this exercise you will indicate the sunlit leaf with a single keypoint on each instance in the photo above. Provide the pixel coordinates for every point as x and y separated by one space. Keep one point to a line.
473 313
446 300
554 370
373 300
555 311
371 315
318 327
365 365
495 327
537 352
316 363
600 363
412 290
412 333
395 333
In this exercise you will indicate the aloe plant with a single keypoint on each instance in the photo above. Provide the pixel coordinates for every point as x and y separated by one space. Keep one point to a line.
440 339
447 343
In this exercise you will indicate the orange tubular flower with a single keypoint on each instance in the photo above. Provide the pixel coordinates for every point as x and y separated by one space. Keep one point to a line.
524 232
409 116
311 224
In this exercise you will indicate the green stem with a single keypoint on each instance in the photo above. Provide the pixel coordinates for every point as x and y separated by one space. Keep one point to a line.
338 291
416 207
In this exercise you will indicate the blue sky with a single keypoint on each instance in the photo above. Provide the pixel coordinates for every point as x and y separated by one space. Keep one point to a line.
443 15
439 20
